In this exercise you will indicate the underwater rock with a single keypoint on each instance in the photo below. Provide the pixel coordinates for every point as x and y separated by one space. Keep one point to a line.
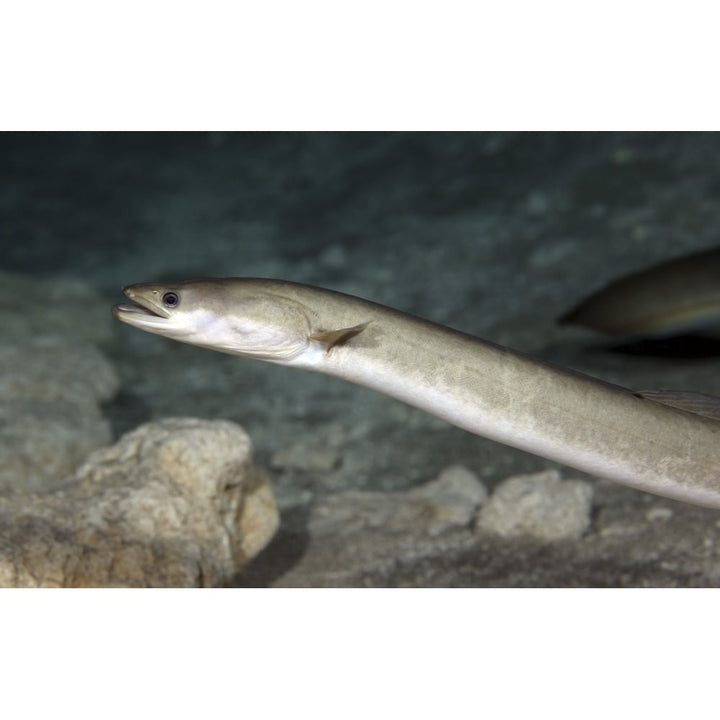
540 505
175 503
55 369
447 502
452 499
50 419
42 442
35 307
353 536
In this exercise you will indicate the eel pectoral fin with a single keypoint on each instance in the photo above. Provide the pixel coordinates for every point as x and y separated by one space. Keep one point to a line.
334 338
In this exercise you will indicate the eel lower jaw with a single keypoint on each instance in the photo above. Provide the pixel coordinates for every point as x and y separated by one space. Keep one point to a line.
140 314
133 309
138 309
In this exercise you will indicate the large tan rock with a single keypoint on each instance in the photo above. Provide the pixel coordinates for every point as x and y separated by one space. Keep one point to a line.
176 503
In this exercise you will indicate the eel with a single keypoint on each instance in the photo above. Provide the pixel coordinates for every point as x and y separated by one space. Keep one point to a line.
662 443
674 297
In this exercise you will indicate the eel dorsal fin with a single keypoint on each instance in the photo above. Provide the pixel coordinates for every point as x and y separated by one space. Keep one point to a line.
333 338
705 405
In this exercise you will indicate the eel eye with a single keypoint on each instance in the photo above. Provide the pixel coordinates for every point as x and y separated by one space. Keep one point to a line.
171 299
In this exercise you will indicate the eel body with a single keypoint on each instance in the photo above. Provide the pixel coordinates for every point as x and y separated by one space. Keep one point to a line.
484 388
676 296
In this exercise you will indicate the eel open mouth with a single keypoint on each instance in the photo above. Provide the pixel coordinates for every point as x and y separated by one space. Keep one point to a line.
138 309
143 309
